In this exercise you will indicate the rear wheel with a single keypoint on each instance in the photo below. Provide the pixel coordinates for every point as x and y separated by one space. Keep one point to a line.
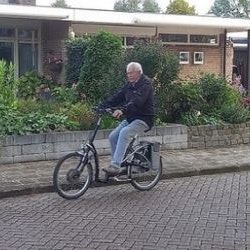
71 178
143 176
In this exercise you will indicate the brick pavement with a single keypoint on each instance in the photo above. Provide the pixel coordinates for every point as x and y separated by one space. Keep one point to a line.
199 212
35 177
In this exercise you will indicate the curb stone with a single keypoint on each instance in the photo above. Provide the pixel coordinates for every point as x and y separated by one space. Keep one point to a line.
49 188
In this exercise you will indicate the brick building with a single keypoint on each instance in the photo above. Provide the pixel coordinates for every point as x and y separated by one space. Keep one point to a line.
22 2
32 35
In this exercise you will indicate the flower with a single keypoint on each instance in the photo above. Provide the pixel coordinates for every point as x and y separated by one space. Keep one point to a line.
54 63
55 60
246 101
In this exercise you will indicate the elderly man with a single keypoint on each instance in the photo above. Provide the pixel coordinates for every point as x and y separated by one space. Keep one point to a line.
136 98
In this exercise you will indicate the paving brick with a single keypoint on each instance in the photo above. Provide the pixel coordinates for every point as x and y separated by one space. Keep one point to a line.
199 212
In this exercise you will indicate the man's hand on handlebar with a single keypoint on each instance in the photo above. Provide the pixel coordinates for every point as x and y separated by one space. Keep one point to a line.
117 113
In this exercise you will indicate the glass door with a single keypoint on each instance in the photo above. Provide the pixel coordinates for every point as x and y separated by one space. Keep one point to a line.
27 50
28 58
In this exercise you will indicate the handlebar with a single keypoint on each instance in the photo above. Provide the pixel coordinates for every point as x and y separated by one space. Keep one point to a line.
109 110
103 111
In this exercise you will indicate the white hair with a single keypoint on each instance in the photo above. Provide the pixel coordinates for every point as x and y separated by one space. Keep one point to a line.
135 66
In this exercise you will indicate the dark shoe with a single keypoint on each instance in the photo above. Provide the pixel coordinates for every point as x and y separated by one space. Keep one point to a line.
111 170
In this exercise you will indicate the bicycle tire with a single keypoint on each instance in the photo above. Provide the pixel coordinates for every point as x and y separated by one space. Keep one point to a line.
148 178
67 178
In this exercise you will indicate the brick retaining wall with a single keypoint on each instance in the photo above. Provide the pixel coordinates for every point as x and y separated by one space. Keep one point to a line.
37 147
218 136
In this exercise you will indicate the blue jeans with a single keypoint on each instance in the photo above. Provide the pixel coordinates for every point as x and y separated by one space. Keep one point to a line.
121 136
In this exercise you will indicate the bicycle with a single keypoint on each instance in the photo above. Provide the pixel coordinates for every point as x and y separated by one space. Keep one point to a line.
74 172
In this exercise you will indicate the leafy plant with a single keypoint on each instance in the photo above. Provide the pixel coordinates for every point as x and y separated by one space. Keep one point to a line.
195 118
80 114
169 69
76 48
103 54
235 113
148 55
26 106
109 122
29 83
216 92
8 85
65 94
179 97
38 122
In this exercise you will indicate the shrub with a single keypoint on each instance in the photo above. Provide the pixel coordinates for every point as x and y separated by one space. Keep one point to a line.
8 85
80 114
169 69
12 121
29 83
235 113
195 118
216 92
155 60
102 56
178 98
65 94
109 122
76 48
38 122
148 55
26 106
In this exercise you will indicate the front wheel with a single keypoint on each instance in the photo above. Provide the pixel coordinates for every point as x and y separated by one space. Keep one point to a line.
71 178
143 176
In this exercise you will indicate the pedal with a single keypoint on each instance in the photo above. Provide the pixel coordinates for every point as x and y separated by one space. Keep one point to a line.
122 172
122 178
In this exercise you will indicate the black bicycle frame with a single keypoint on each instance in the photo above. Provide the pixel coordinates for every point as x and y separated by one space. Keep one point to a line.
91 147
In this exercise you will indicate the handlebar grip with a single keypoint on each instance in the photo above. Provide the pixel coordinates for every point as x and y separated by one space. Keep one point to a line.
101 110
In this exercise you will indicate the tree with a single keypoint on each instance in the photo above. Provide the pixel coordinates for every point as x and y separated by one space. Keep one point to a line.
151 6
60 4
180 7
127 5
231 8
137 6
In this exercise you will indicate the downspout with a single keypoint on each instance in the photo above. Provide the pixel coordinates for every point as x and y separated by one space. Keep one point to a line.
225 53
156 35
248 60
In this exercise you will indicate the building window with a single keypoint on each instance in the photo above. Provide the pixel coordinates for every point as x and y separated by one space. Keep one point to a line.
189 38
7 33
19 46
198 57
130 41
28 57
207 39
184 57
7 51
27 34
173 38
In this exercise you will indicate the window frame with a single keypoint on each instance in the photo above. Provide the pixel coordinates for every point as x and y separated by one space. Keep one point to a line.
202 57
135 37
188 57
188 40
